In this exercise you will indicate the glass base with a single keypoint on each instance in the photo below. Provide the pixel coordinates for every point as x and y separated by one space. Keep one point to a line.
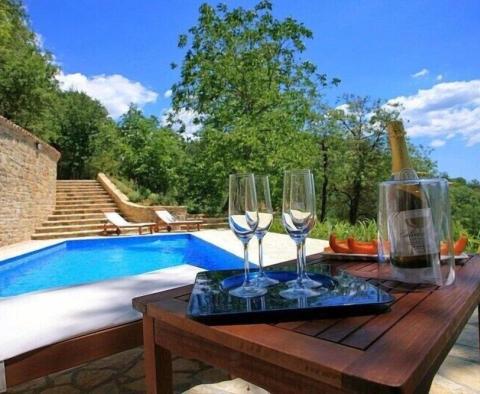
306 282
295 292
265 281
248 291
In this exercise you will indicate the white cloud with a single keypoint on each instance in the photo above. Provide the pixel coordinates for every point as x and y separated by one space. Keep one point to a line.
343 107
439 77
168 93
436 143
185 117
422 73
445 110
115 91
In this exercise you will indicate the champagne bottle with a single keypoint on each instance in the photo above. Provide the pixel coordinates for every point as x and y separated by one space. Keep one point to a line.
410 223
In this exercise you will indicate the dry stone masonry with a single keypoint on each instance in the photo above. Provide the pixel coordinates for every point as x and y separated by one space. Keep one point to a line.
28 172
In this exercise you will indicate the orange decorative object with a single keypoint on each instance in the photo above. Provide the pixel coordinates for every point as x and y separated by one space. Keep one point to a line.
338 246
460 245
362 247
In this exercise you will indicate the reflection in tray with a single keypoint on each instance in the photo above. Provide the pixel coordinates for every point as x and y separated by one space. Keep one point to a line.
282 276
341 294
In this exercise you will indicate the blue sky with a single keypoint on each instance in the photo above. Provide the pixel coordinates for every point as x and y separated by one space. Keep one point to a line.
424 54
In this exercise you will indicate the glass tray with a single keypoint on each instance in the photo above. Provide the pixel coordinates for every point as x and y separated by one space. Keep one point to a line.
341 295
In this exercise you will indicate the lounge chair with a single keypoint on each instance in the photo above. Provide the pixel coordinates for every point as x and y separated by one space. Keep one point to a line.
166 219
120 223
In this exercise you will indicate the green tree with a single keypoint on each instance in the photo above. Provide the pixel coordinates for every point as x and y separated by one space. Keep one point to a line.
357 138
362 123
465 202
330 147
245 63
151 155
83 121
28 89
243 77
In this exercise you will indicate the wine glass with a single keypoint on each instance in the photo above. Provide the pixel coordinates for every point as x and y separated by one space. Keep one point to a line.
298 217
243 221
265 216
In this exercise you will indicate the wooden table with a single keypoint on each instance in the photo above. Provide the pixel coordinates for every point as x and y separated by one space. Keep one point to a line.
397 351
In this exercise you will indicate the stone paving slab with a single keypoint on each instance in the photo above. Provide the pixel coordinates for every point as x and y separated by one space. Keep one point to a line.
123 373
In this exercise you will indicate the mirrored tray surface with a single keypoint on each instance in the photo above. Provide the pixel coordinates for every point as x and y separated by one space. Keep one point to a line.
341 294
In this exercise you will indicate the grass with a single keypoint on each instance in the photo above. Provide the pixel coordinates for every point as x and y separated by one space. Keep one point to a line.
366 230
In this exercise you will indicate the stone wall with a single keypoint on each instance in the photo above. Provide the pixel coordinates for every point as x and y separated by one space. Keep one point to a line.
28 173
136 212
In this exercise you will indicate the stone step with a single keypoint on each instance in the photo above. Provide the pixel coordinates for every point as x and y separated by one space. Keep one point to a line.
99 219
81 210
69 228
79 188
76 181
78 184
67 234
76 216
105 205
81 194
83 201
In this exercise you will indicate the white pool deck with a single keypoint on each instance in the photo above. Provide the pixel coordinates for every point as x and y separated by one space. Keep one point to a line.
41 318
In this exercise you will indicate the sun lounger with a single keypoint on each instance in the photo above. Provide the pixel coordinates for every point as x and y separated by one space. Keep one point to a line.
170 222
120 223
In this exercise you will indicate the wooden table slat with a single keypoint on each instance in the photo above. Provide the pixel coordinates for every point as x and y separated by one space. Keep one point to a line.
315 327
289 325
379 325
340 330
417 344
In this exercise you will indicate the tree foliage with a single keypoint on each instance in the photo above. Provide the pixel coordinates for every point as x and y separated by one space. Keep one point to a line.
259 106
465 202
27 74
245 64
151 154
82 122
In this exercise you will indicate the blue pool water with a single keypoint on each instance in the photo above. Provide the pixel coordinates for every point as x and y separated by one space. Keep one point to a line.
84 261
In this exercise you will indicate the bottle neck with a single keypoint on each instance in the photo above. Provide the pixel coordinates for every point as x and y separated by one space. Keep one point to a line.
401 164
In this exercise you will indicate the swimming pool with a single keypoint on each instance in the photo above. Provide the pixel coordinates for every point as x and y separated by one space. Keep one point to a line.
90 260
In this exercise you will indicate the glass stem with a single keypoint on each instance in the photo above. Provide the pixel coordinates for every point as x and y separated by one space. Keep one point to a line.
260 257
300 268
246 282
304 259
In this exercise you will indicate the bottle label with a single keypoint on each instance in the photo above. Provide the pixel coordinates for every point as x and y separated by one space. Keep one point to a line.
411 233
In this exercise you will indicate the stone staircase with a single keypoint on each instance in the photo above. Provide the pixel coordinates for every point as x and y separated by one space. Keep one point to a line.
78 211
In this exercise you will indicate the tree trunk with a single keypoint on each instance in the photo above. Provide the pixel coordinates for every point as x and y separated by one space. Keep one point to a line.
355 202
323 205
